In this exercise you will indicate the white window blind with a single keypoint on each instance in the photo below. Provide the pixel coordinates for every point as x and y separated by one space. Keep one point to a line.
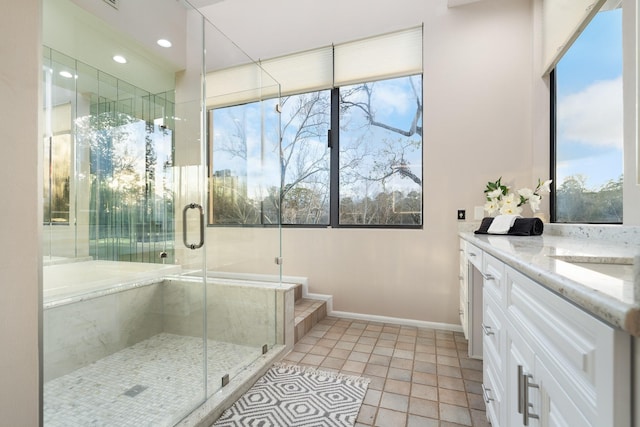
302 72
562 23
238 85
390 55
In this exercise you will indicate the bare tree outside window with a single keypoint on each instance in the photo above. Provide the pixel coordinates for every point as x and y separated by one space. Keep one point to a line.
381 152
380 167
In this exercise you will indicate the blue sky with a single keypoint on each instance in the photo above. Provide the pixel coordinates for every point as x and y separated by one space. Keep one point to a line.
589 103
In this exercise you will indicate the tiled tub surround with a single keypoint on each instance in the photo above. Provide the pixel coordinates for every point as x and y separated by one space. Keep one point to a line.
546 259
68 282
145 329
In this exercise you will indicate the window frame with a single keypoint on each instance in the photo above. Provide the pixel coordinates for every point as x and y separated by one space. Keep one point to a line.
553 153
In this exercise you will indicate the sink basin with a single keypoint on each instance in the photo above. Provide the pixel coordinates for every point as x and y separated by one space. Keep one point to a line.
618 267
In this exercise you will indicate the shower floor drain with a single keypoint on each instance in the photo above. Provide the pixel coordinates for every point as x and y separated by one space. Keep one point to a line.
135 390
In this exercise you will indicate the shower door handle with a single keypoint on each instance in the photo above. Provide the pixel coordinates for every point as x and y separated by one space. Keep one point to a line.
184 226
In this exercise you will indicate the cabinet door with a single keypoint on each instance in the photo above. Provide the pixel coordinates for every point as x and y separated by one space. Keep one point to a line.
556 409
520 363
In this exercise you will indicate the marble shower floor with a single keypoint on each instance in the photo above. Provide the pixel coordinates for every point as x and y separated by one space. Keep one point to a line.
155 382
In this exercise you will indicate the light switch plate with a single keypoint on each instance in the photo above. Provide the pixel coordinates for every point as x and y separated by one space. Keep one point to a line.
478 212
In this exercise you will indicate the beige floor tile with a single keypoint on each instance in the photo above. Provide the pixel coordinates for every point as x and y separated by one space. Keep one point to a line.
377 370
320 350
455 414
453 397
332 362
424 392
345 345
418 376
358 356
399 374
389 418
399 363
372 397
424 378
418 421
353 366
377 359
396 402
367 414
339 353
447 360
451 383
312 359
423 407
395 386
383 351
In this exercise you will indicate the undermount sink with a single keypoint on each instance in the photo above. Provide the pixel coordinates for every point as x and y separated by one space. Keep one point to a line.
618 267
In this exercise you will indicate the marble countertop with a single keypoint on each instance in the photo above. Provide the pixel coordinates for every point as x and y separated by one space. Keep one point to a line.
590 267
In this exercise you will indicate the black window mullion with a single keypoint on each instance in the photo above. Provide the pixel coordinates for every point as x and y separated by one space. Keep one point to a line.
334 185
553 146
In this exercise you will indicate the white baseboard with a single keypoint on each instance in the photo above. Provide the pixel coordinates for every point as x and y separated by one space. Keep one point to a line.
396 320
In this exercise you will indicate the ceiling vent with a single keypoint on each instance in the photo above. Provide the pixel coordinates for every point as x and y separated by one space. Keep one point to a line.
113 3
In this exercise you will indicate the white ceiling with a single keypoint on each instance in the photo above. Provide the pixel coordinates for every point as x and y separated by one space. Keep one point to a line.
92 31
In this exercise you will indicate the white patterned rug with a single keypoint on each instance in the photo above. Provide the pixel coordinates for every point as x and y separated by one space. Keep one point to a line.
294 396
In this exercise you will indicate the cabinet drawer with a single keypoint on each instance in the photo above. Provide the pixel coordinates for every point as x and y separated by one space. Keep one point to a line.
474 255
493 270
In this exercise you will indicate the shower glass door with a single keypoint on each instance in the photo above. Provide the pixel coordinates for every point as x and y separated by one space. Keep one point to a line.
151 305
243 208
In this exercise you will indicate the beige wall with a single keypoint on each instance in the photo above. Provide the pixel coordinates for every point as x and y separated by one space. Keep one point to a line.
21 213
479 125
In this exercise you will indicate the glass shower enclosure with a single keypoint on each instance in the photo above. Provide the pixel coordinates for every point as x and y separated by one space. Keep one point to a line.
147 311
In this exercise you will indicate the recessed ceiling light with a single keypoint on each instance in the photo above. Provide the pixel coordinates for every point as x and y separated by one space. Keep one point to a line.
66 74
120 59
164 43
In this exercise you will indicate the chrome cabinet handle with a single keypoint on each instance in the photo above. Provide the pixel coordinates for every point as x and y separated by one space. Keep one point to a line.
520 375
485 394
526 415
472 255
198 245
487 330
488 277
524 384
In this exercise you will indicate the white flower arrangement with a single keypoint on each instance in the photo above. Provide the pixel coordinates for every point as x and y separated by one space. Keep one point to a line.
500 200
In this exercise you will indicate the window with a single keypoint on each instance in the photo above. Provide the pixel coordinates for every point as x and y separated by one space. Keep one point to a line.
351 137
588 125
378 169
244 179
381 153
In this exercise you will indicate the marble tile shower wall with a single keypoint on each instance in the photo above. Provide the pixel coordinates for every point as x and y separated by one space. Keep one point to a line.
80 333
77 334
237 314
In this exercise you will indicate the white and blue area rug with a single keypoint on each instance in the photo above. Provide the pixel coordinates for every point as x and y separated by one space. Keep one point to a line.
294 396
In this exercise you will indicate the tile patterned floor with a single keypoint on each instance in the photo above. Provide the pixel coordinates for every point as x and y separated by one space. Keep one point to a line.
419 377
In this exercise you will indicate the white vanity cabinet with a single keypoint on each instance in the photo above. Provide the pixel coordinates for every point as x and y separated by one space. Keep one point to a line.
564 366
546 362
